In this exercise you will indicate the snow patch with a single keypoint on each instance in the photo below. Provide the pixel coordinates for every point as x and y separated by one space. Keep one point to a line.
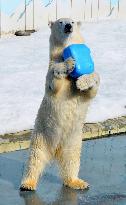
24 64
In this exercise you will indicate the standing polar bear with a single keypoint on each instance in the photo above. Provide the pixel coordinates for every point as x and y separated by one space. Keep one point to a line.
58 127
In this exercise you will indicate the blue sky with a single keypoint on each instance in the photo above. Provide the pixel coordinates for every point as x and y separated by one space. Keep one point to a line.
8 6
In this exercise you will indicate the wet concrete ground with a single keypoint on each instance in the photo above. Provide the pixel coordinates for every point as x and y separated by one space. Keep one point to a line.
103 165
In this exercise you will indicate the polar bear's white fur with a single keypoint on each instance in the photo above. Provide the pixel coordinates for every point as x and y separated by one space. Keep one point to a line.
58 126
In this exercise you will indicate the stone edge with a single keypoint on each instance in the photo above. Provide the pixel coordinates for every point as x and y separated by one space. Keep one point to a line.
21 140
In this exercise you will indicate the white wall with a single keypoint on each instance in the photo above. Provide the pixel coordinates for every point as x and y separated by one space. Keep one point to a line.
43 14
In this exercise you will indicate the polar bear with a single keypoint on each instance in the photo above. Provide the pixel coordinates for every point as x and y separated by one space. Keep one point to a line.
58 127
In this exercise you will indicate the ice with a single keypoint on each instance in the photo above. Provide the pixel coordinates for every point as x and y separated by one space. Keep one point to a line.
24 63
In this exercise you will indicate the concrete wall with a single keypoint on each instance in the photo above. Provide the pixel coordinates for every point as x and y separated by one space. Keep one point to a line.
21 140
29 14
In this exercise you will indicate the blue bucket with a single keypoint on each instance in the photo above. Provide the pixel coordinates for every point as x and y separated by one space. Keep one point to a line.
83 60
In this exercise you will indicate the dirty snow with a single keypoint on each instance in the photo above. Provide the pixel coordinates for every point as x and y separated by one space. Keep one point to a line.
23 67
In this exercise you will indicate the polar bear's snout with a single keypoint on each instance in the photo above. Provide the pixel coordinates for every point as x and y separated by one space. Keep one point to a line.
68 28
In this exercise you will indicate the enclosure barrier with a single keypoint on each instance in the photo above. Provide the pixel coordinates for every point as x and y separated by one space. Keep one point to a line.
33 14
21 140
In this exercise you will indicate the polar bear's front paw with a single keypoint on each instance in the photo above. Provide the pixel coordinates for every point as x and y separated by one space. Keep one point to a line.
60 73
76 184
86 82
70 64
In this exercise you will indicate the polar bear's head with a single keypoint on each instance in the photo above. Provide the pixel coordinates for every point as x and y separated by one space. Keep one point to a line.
64 28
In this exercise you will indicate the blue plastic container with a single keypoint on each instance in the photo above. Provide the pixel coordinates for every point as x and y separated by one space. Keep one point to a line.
83 60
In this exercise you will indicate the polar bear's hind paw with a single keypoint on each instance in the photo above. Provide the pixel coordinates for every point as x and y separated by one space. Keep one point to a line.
76 184
28 186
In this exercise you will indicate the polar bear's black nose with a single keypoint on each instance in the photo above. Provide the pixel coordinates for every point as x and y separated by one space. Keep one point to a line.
68 28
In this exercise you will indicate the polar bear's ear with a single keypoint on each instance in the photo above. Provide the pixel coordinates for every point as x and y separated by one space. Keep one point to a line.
79 24
50 24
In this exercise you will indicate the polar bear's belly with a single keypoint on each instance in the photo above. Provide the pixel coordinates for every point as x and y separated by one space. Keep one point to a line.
59 117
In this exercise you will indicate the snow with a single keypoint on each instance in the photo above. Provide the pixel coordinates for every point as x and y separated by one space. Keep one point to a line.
24 63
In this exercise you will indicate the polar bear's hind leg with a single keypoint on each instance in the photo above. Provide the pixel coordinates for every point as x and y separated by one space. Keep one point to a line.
38 158
69 163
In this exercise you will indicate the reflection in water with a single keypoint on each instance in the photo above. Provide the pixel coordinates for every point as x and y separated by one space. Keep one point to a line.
103 165
66 197
31 198
105 199
70 197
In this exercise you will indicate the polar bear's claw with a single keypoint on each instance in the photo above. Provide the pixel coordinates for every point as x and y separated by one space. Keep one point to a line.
22 188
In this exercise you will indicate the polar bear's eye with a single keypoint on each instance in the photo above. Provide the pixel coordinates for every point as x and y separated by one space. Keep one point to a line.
72 22
61 22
